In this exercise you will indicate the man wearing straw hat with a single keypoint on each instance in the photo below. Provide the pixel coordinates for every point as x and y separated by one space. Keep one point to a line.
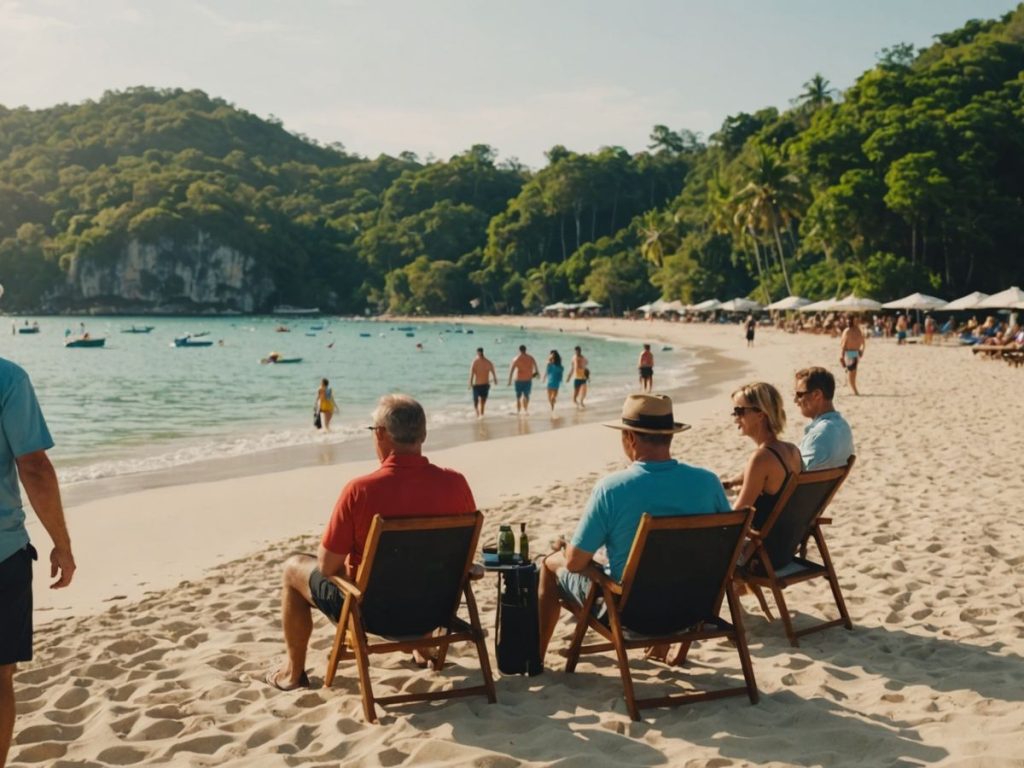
654 483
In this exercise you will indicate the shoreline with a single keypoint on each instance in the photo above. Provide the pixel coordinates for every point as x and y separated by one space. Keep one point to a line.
926 539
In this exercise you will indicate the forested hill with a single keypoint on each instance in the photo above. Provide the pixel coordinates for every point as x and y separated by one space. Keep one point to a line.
170 200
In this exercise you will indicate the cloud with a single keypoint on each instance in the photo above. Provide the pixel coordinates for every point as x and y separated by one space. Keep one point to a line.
14 17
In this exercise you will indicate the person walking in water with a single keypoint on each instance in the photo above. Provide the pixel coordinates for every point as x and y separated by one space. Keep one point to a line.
554 376
851 350
524 367
580 374
325 404
481 374
646 368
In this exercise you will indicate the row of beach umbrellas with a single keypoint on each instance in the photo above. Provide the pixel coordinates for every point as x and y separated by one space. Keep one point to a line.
1011 298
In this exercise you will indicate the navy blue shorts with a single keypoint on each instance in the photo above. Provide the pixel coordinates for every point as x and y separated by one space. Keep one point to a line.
327 597
523 388
16 606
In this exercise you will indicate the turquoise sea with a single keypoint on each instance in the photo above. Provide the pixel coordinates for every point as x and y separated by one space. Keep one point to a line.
140 405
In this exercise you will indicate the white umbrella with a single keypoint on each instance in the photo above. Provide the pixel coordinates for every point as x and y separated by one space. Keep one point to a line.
741 305
590 304
790 302
970 301
558 306
675 306
706 306
920 301
645 308
854 303
819 306
1007 299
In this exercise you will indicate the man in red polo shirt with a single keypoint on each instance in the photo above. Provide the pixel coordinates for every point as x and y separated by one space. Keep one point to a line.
406 485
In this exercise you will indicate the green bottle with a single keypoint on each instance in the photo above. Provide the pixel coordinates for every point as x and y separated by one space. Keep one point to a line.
524 543
506 544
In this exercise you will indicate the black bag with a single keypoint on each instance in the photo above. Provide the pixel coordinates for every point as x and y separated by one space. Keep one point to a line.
517 639
316 418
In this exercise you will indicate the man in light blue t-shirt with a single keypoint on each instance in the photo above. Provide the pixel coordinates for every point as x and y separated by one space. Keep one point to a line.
24 440
654 483
828 440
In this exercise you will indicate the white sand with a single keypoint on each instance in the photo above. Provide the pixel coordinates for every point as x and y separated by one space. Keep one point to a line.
927 542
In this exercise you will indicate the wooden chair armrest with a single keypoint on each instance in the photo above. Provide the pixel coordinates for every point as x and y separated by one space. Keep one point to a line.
755 536
602 579
347 587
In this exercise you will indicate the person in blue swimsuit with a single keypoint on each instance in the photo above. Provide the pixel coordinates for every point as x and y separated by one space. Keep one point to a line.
554 376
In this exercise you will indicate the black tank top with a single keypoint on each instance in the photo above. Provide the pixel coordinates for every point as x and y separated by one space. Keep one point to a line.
765 503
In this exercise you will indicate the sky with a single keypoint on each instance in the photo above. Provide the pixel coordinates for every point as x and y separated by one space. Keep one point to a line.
437 76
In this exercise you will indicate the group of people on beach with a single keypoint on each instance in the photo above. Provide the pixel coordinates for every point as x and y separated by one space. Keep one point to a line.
654 482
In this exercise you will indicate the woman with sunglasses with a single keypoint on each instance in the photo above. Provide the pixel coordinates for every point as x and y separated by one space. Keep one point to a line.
759 414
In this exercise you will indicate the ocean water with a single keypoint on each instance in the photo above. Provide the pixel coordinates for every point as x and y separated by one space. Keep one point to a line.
139 404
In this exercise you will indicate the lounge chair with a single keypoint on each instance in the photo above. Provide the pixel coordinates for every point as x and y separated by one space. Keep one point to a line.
678 572
776 555
413 578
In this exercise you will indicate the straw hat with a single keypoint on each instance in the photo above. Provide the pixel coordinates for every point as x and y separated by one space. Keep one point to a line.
650 414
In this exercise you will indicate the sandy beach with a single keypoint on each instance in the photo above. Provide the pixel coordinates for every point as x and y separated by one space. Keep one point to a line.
155 655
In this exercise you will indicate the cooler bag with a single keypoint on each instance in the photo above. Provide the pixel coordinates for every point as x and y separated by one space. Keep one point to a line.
517 640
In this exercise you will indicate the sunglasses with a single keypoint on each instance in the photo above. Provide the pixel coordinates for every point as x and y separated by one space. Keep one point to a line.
798 395
740 410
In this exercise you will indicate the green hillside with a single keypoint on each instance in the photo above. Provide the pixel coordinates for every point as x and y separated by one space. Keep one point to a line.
171 200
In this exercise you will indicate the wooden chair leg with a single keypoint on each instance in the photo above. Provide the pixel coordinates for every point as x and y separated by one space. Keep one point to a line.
440 654
623 658
833 580
339 644
582 622
363 667
741 644
787 622
481 646
764 603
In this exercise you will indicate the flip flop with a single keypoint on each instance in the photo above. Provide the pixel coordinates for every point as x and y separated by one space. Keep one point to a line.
272 676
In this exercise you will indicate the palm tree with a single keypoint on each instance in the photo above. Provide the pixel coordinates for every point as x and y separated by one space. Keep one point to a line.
722 219
659 235
772 196
817 93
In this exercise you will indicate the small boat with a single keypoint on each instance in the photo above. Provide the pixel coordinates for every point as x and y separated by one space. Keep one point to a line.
469 330
406 328
282 329
275 359
189 340
138 329
83 341
287 309
29 329
365 335
319 327
410 334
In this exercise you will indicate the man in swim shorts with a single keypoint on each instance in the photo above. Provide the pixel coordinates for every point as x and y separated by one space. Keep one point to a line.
406 483
24 440
524 367
646 368
580 374
851 350
481 373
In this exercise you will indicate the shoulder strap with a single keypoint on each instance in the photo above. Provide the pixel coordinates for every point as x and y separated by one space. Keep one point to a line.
778 456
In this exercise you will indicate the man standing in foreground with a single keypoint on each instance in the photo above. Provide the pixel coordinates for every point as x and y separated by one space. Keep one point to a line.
524 367
24 440
654 483
481 374
580 375
646 368
827 440
406 485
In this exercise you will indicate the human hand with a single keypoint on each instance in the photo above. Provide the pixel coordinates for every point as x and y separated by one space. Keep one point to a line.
62 567
558 544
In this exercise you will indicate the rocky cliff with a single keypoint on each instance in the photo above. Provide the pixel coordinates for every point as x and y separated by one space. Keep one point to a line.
170 276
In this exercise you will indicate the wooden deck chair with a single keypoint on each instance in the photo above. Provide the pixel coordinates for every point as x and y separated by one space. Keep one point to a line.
413 578
776 556
678 572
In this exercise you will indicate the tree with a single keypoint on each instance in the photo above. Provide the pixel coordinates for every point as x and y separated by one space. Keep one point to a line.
817 93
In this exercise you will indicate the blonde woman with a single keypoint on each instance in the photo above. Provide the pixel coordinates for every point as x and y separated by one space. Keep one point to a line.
325 404
758 413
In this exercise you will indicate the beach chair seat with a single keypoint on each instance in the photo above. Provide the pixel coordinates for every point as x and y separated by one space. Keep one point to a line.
678 572
414 576
776 555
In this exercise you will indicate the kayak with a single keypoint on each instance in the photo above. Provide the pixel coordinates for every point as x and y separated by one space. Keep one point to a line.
189 341
85 342
279 360
134 329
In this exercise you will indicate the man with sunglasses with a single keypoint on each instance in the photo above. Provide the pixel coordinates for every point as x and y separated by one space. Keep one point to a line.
405 485
827 440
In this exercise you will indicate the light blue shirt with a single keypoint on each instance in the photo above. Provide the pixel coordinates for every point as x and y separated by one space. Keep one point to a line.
22 430
827 442
660 488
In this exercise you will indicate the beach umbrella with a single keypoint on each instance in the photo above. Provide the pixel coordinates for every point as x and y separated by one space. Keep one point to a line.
970 301
590 304
675 306
854 303
645 308
920 301
740 305
707 306
558 306
790 302
1007 299
819 306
